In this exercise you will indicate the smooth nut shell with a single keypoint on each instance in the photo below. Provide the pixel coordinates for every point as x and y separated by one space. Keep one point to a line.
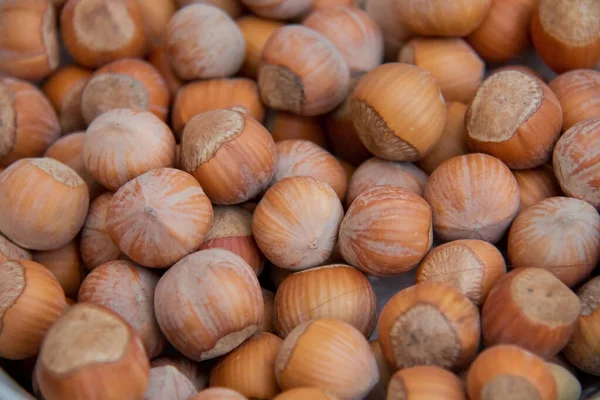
536 185
579 95
96 246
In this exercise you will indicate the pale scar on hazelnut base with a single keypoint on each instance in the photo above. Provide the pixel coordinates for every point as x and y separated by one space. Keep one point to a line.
281 88
11 286
49 37
8 120
109 91
511 387
103 25
58 171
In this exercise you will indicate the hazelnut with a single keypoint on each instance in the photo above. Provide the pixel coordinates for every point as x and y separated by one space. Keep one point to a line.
43 203
296 222
167 382
579 95
28 123
256 32
521 68
195 98
504 33
215 393
536 185
230 154
510 372
29 44
65 265
386 231
456 67
376 172
301 71
471 266
156 15
159 217
443 18
305 158
567 384
474 196
278 9
31 299
268 324
453 141
193 372
429 382
127 83
96 246
516 118
288 126
430 323
208 304
159 57
566 33
353 32
330 355
530 300
583 349
11 252
559 234
91 350
64 89
574 161
128 290
69 151
334 291
232 230
97 32
385 372
204 42
304 393
122 144
395 32
250 369
398 111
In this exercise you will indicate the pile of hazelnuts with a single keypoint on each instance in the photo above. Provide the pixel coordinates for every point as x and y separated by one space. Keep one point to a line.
197 197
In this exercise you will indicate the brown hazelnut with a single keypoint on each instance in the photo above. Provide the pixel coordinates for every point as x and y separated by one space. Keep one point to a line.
156 15
96 246
159 57
536 185
425 382
256 32
385 372
65 265
11 252
268 324
288 126
579 95
395 32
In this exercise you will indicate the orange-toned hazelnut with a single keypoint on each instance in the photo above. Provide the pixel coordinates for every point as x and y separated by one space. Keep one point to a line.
456 67
127 83
96 246
430 323
305 158
128 290
159 217
232 230
583 349
530 300
385 372
28 44
377 172
204 42
195 98
510 372
122 144
208 304
328 354
504 33
516 118
231 154
256 32
288 126
443 18
167 382
28 123
11 252
536 185
453 141
474 196
296 222
69 151
398 111
43 203
31 300
65 265
301 71
559 234
575 164
156 15
304 393
566 33
579 95
395 32
193 372
97 32
278 9
334 291
472 266
64 89
89 351
420 382
159 57
268 324
521 68
391 245
216 393
232 7
250 369
353 32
